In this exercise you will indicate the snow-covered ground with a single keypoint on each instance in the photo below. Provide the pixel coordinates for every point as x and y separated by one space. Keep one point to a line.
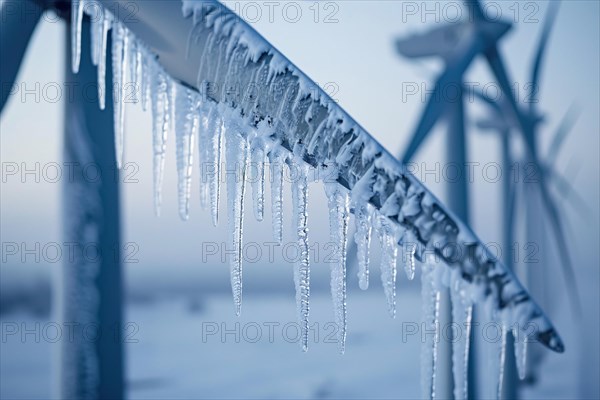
176 348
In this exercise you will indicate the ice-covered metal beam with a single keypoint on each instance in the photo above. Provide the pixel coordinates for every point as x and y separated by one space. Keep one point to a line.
209 48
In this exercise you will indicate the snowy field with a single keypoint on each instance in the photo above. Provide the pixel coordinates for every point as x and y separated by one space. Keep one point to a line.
174 352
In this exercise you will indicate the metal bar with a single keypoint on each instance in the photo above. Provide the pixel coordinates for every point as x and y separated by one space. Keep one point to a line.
224 69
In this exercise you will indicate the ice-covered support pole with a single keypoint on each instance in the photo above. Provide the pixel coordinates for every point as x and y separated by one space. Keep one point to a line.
247 75
92 284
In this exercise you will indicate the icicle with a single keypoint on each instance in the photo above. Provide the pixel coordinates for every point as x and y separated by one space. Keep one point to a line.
134 58
496 363
160 129
76 22
520 347
204 139
389 259
339 216
362 237
96 33
258 182
462 311
106 25
430 298
186 124
120 52
300 226
409 262
237 160
277 159
145 80
211 165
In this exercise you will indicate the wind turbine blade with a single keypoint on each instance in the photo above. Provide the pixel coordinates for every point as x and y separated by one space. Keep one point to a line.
431 115
305 120
475 11
563 130
563 249
553 7
569 193
15 34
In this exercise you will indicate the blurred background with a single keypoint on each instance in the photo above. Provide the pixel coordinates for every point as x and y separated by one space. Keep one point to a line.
182 339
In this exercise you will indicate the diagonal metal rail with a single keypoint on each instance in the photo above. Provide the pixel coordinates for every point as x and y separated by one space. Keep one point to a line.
229 63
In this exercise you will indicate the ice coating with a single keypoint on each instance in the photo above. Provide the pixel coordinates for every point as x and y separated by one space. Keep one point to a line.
339 217
302 265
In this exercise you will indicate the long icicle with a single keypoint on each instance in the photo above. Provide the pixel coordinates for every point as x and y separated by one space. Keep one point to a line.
97 22
76 23
462 312
430 298
302 265
145 79
237 161
339 216
520 348
212 166
160 129
277 159
134 57
497 362
107 19
362 237
389 259
258 181
186 124
120 52
204 152
408 259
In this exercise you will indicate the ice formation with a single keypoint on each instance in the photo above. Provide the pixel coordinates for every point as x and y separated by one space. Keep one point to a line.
300 225
339 217
285 121
362 237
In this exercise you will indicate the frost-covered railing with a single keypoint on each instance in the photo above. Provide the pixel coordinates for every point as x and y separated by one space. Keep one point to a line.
247 98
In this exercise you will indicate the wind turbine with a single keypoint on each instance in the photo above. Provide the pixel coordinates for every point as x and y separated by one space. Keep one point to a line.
457 44
311 128
528 120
